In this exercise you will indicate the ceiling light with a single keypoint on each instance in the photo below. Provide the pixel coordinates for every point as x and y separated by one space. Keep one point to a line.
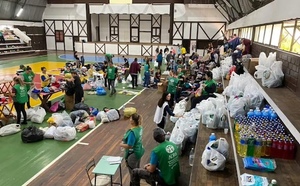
20 12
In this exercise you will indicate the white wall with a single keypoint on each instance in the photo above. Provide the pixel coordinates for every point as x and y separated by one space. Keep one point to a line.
65 11
278 10
124 26
59 12
201 12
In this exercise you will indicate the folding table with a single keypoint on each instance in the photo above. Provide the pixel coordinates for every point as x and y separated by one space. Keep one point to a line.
104 167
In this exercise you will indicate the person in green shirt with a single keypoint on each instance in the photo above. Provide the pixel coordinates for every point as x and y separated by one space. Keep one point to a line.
20 97
206 90
28 77
108 57
147 74
132 143
111 76
172 87
164 163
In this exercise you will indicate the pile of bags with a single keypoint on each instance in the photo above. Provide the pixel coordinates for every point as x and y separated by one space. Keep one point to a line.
269 70
213 112
244 94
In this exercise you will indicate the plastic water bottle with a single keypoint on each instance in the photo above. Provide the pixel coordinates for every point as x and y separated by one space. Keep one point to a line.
243 144
257 113
212 137
250 114
273 116
191 157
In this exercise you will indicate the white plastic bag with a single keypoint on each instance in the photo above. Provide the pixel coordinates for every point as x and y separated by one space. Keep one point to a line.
64 133
50 132
273 77
10 129
236 106
212 160
177 136
139 80
129 78
39 115
179 109
209 119
91 124
30 112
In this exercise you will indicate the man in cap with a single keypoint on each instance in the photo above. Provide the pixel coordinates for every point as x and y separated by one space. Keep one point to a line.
164 163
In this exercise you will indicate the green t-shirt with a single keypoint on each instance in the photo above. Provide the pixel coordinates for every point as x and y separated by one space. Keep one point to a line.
109 56
28 78
208 84
172 85
21 94
146 67
138 148
168 161
111 72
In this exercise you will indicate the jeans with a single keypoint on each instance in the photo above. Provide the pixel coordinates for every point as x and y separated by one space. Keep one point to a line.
111 86
150 178
146 79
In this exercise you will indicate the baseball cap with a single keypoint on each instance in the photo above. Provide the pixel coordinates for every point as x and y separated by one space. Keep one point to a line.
158 133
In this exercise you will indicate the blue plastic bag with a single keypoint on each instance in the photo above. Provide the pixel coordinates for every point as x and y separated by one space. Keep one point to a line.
100 91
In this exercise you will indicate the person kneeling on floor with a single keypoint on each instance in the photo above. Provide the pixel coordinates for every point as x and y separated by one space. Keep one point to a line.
164 163
205 91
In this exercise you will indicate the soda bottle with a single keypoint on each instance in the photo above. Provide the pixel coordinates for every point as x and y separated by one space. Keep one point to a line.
285 149
274 148
191 157
243 144
263 147
291 154
279 149
268 147
258 147
251 146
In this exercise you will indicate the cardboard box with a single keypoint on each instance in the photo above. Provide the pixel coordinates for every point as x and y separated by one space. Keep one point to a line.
251 66
162 86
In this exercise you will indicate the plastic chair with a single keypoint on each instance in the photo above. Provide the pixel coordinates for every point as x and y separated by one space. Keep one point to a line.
101 180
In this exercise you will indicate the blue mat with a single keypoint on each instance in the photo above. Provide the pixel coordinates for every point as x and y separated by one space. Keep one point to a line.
94 58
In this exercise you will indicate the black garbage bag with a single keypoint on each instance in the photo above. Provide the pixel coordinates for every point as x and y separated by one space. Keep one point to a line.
82 106
32 134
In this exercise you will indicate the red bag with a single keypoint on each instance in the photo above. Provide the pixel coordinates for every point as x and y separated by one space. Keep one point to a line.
82 127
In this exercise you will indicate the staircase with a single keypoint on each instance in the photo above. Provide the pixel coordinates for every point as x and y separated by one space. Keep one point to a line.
14 46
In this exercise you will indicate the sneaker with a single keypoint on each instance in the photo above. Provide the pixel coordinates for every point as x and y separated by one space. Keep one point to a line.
24 123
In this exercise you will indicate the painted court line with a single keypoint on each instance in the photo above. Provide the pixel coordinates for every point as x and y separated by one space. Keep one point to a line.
70 148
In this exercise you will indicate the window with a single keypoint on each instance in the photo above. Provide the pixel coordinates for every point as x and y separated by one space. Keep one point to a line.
256 34
59 36
286 37
268 33
296 41
261 34
276 35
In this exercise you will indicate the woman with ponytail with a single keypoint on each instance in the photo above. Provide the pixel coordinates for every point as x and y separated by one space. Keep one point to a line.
19 94
132 143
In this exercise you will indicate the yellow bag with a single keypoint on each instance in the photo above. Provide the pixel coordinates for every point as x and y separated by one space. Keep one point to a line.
129 111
